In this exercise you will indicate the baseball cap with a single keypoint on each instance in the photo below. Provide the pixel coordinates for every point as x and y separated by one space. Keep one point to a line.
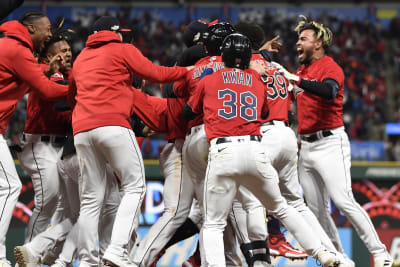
107 23
193 32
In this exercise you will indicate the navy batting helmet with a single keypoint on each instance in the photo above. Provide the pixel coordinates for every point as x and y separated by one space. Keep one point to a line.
236 51
214 36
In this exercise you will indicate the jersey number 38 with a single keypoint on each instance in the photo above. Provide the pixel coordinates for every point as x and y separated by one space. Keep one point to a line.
247 105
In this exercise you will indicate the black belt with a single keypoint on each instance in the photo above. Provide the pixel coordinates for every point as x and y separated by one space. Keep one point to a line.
268 123
171 141
222 140
314 137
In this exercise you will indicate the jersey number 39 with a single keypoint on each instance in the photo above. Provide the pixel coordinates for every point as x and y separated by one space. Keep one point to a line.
247 102
276 86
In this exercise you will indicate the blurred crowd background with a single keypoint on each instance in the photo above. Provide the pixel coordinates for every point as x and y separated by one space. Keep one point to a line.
366 45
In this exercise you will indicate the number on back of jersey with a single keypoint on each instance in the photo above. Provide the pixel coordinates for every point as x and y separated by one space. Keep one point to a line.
276 86
247 104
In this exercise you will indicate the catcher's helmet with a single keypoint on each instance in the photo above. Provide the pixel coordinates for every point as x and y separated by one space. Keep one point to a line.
214 36
236 51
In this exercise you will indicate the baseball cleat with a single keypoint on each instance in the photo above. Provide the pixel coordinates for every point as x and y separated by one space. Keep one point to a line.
25 258
278 246
112 260
385 261
328 259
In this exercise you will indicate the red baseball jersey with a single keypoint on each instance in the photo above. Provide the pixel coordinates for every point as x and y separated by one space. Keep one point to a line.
232 101
151 110
277 92
314 112
41 117
177 126
187 86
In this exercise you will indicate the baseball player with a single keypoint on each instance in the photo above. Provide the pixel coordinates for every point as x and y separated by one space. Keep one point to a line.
42 117
101 87
19 74
280 144
233 100
42 141
196 147
176 207
324 169
178 191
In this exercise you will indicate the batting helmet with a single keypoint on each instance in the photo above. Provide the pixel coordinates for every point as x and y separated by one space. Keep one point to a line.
215 35
236 51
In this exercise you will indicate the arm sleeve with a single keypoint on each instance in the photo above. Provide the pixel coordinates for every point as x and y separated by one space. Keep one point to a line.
29 71
137 125
187 113
145 69
327 89
266 55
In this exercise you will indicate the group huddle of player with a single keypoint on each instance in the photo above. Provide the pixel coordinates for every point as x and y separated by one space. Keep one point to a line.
230 156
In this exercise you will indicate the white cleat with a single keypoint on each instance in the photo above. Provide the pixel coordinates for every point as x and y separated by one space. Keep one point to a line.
328 259
25 258
385 261
59 263
112 260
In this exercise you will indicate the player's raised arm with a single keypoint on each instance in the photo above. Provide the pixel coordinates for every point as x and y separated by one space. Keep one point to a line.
144 68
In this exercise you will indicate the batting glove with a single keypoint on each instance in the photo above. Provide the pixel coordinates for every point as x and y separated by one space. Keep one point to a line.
289 76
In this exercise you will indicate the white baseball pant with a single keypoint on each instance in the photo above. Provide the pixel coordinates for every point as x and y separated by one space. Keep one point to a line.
117 146
280 143
324 172
245 163
10 187
178 195
195 152
39 161
67 230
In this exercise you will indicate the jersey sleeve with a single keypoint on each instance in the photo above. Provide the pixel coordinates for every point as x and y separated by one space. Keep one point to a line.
196 99
144 68
335 72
